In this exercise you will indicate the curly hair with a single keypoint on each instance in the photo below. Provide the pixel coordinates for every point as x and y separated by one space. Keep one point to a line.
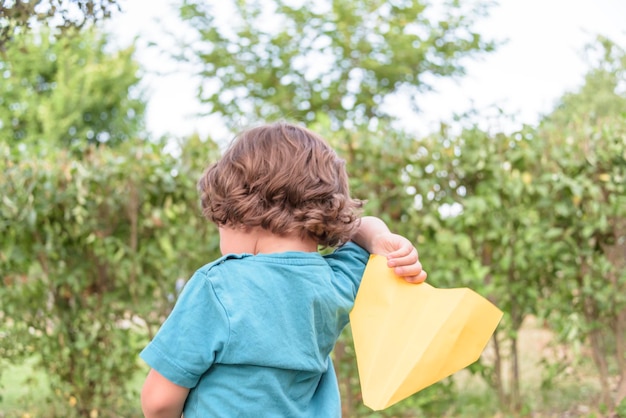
285 179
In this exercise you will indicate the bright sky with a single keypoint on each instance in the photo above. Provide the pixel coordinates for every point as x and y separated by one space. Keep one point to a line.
542 59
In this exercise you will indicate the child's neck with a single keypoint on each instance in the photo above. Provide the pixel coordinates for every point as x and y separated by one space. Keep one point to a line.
261 241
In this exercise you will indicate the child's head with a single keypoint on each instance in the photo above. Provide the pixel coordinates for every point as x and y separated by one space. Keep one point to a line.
284 179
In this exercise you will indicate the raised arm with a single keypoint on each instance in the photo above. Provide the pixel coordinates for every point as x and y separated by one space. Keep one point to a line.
374 235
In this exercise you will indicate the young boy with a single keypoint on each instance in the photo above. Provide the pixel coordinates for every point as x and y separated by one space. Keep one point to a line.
252 332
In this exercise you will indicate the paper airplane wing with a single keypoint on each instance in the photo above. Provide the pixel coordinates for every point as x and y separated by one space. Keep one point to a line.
409 336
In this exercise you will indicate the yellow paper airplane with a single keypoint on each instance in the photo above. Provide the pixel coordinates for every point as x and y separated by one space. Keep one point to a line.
409 336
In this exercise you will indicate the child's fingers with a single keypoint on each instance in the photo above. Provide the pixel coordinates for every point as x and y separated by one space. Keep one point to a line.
402 257
400 253
419 278
409 270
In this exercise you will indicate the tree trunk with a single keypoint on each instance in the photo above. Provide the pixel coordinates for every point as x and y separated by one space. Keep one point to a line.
347 402
616 254
603 369
590 312
598 355
515 396
620 351
497 368
516 312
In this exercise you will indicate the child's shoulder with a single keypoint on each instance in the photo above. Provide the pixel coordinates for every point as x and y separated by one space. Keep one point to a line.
216 271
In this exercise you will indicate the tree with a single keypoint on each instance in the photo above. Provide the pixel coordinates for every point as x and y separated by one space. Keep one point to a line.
84 225
479 218
92 249
18 16
341 58
68 92
585 163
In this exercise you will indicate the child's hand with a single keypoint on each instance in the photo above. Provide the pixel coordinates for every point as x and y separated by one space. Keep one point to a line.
401 255
375 237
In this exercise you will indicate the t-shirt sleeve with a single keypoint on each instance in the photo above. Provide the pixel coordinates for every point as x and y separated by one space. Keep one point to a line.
193 337
348 262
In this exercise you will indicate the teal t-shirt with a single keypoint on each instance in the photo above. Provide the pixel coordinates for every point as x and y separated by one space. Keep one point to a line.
251 335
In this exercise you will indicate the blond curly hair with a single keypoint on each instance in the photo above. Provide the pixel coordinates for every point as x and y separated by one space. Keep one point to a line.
285 179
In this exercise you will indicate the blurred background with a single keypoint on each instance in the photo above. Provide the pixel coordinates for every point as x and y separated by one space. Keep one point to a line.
540 56
491 134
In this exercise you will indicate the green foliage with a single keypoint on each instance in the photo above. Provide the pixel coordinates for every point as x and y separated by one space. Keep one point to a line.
378 161
91 251
491 214
339 59
68 92
66 246
18 17
585 152
482 230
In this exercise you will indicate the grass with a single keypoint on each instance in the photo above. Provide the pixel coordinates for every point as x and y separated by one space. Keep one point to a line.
22 389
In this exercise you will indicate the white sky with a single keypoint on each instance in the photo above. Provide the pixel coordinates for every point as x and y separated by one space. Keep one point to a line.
541 60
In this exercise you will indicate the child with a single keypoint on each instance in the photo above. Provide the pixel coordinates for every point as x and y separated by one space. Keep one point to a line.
252 332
